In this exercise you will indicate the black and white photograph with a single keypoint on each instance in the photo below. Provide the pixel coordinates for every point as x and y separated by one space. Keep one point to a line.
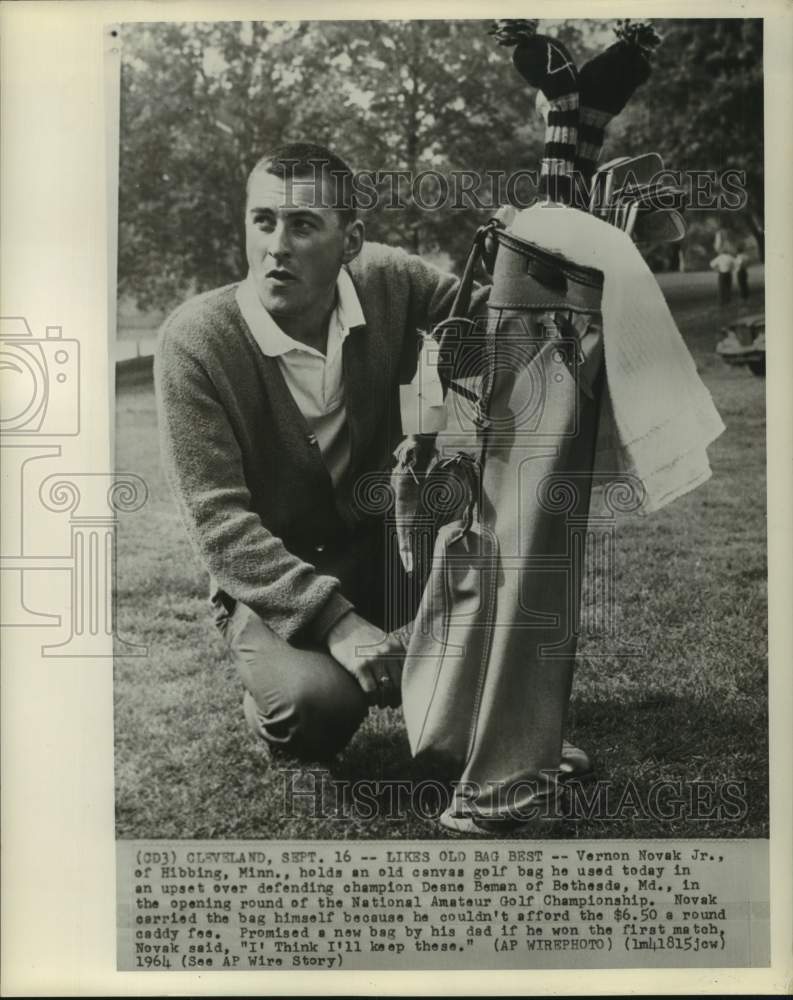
396 546
441 349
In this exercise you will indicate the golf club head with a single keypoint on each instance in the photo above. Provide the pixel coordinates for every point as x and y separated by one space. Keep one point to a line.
656 195
602 183
636 170
619 174
660 225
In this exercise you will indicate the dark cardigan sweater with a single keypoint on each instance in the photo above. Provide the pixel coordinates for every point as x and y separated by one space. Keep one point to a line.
247 474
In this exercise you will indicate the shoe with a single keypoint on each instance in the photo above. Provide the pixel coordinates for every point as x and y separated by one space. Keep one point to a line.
575 764
537 815
470 825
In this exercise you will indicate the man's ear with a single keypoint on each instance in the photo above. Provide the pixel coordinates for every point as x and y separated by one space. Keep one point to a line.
353 240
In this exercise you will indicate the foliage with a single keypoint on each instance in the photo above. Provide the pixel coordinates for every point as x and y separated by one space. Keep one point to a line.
703 107
201 102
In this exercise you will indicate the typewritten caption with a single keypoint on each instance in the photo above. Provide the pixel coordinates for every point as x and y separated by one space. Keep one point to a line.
215 905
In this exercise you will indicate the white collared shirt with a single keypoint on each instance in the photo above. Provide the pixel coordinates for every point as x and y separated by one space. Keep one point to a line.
314 379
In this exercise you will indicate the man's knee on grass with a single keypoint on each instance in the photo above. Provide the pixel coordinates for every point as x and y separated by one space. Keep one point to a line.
303 726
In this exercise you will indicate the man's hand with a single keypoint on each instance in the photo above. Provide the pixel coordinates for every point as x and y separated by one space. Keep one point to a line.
372 657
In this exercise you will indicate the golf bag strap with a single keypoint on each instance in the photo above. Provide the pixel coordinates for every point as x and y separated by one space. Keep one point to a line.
449 328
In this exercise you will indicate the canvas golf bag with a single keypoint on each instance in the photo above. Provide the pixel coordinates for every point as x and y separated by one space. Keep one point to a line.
490 657
506 484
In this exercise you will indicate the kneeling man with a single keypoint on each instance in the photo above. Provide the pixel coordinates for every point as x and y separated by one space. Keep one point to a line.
278 402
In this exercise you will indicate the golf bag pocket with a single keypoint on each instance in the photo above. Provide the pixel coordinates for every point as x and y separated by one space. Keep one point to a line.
448 648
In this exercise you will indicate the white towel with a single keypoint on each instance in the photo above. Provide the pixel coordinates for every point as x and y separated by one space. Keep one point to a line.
657 417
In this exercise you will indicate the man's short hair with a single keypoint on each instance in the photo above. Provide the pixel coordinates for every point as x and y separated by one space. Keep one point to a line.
301 160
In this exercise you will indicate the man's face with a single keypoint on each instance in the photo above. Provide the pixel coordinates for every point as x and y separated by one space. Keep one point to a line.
295 248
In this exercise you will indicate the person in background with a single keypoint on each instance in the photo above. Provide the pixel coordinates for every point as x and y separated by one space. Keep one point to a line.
723 241
723 264
741 274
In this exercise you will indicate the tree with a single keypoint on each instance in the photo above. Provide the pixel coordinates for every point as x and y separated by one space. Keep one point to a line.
201 103
433 99
437 100
703 107
182 170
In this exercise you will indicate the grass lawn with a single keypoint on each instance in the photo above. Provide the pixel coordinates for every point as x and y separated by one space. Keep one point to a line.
691 589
